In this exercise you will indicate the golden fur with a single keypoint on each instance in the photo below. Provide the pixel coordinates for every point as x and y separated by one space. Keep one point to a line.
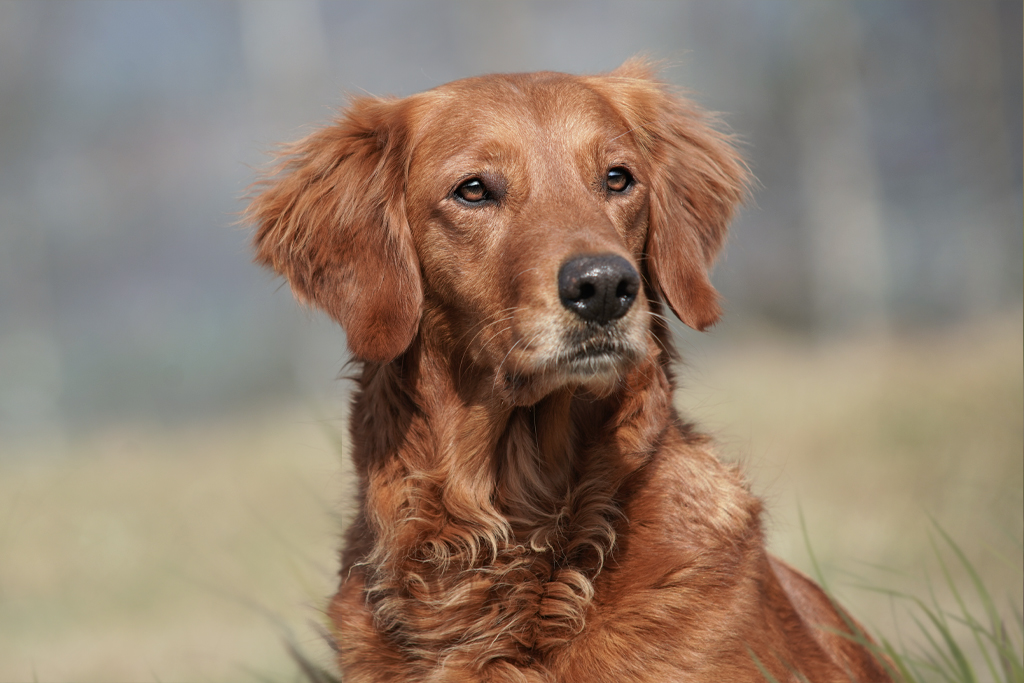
531 507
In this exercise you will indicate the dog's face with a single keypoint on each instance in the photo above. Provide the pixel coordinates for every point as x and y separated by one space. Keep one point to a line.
522 222
528 213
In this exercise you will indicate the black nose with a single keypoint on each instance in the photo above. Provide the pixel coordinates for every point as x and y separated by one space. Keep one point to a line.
598 288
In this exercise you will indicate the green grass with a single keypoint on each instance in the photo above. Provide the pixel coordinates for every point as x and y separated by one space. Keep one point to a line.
949 642
957 643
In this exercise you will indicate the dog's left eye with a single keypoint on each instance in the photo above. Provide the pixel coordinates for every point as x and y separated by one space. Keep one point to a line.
472 191
618 179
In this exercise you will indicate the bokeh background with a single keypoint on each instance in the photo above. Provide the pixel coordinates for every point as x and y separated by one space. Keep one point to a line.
172 479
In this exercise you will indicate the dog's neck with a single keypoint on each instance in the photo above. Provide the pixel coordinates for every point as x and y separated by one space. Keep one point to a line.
475 512
453 443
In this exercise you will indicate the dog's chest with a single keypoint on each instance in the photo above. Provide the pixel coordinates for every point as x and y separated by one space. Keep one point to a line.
519 607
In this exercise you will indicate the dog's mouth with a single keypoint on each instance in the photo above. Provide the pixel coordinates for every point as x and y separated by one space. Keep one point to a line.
594 358
589 353
595 354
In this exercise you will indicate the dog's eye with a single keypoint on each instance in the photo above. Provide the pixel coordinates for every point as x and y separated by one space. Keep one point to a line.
472 191
618 179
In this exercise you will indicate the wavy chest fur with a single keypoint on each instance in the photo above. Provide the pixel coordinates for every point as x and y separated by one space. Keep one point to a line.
482 526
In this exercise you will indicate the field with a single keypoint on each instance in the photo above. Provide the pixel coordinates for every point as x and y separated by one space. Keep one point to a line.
136 552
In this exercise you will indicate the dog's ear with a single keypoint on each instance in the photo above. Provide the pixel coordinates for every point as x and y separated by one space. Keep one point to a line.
330 217
696 180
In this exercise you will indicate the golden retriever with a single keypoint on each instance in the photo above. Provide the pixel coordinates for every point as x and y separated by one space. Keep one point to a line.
499 251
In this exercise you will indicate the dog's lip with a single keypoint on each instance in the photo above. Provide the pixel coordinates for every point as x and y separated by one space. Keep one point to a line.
595 350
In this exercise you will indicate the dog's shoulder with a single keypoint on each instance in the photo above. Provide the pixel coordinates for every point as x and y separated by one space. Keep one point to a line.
692 493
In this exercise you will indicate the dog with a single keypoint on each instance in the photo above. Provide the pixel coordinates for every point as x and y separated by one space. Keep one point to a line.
500 252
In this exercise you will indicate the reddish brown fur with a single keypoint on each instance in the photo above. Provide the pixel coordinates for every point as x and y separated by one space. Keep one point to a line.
525 516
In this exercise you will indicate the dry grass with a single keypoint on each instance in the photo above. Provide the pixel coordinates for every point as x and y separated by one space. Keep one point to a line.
151 554
147 553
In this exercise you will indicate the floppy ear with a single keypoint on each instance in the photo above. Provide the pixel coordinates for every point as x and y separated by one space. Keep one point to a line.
696 180
330 217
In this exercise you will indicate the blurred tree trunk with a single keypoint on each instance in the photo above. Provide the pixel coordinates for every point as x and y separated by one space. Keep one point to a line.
31 357
839 179
970 65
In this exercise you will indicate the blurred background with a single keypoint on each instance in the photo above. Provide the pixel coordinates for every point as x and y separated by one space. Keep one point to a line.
172 485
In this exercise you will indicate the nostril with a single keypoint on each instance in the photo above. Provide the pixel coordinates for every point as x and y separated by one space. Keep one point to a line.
626 288
598 288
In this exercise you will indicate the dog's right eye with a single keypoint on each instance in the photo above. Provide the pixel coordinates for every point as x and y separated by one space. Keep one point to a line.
472 191
618 179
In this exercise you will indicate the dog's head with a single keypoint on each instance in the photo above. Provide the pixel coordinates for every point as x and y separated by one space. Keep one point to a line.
522 222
